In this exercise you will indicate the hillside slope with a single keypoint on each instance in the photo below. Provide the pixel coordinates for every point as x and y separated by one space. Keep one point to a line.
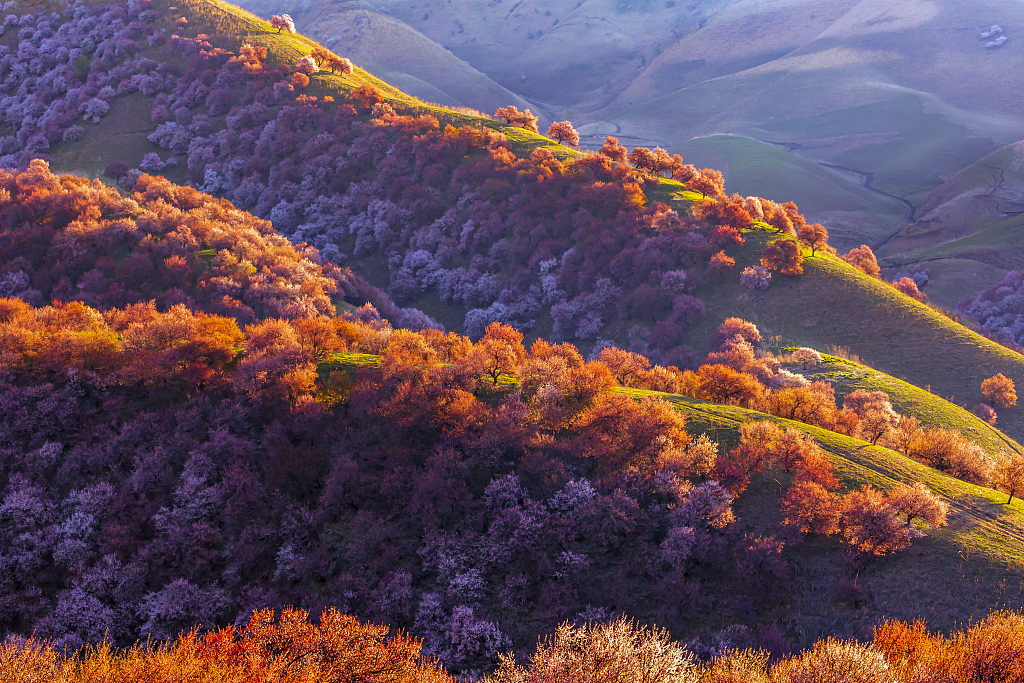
968 231
861 84
978 559
835 304
933 411
946 571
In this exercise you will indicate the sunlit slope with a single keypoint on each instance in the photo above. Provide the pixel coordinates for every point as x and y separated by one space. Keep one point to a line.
393 50
932 410
982 519
830 304
835 304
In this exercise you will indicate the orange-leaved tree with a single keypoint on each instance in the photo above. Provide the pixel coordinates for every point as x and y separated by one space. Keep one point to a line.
521 119
500 351
784 256
564 132
863 259
999 390
1008 475
613 150
815 236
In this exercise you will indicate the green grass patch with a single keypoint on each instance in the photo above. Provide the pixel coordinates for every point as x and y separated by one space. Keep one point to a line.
349 361
999 242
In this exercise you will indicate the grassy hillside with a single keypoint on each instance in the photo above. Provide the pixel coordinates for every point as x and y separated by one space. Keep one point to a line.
999 241
753 167
238 26
121 135
835 304
986 522
831 304
969 230
848 376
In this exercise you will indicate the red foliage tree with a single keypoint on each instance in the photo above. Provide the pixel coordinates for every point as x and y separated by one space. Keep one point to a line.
720 263
909 287
1008 475
521 119
863 259
810 508
814 236
722 384
564 132
367 96
643 158
784 256
500 351
613 150
870 523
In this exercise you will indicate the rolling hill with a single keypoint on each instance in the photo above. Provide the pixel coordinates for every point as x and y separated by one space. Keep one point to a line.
968 231
833 304
395 52
860 87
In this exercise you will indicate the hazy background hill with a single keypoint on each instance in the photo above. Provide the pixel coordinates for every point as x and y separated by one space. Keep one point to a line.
859 110
394 51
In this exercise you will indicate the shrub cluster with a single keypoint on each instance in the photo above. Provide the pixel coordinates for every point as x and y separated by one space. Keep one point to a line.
339 648
1000 309
742 373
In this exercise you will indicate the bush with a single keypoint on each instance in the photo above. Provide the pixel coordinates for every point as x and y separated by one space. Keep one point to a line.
288 649
807 357
909 287
986 413
834 661
617 652
992 651
999 391
756 277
